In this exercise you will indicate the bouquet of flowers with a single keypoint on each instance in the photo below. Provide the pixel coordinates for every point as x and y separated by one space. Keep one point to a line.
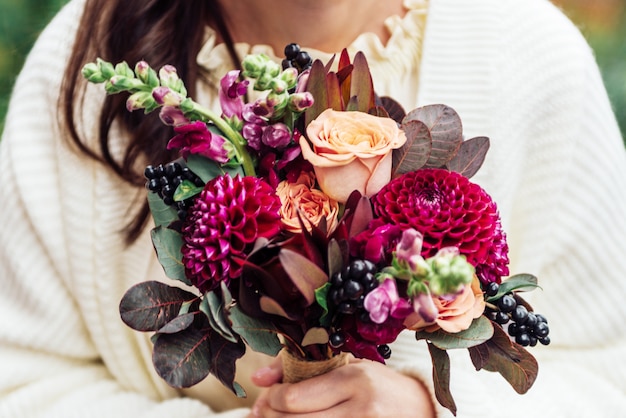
319 220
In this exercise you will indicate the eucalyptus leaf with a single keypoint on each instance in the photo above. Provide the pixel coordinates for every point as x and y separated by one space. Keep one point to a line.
167 244
446 131
441 377
415 151
304 274
224 356
213 308
260 335
470 157
519 283
479 331
148 306
208 169
511 360
162 214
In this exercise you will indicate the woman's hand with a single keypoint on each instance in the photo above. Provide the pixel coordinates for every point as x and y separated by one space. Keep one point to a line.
361 388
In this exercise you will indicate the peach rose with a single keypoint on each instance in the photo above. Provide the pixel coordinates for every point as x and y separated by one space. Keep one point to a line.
311 202
454 315
351 151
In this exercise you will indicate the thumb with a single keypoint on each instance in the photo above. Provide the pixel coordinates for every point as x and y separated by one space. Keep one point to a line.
269 375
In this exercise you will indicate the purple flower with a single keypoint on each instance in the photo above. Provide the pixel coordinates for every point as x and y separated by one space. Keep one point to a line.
166 96
195 138
409 248
276 136
384 301
230 94
172 116
376 242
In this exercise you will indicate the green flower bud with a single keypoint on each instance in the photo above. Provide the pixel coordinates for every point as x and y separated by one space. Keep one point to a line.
123 69
119 83
450 272
92 73
278 86
106 68
169 78
254 65
290 77
140 100
146 74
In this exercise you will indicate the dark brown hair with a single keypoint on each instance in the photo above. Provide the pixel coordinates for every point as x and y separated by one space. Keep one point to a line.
157 31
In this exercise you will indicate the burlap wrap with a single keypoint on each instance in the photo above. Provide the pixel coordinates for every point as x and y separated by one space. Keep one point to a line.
295 369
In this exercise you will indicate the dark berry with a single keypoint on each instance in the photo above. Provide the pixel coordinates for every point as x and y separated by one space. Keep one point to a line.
337 280
303 59
353 289
522 339
513 329
541 318
531 320
149 172
347 308
502 318
492 289
533 340
336 339
507 303
541 330
545 340
520 314
384 350
358 268
291 51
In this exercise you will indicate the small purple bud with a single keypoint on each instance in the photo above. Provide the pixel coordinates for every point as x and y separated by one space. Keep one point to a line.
409 248
299 102
166 96
425 307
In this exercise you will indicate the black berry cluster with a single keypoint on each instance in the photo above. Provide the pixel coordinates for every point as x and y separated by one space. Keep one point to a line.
527 327
346 295
296 58
164 179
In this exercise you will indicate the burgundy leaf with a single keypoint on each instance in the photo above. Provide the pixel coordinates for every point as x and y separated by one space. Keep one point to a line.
415 151
316 85
510 359
306 275
441 377
361 84
148 306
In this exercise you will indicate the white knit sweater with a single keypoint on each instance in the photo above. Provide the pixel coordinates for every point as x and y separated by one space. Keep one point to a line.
515 70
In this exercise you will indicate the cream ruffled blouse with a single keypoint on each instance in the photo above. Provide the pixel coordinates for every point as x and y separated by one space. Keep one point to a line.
394 66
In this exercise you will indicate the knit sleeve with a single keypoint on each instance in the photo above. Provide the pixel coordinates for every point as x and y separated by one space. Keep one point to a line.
557 169
63 349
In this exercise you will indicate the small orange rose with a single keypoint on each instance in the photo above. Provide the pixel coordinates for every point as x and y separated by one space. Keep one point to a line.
454 315
351 151
312 203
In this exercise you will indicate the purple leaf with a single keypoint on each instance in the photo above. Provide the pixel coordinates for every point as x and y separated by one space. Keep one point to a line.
415 151
470 156
441 377
305 274
148 306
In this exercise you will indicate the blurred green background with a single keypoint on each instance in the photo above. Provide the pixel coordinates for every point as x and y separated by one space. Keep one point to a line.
603 22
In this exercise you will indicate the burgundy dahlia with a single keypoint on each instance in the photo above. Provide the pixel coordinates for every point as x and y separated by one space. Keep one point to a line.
448 210
223 224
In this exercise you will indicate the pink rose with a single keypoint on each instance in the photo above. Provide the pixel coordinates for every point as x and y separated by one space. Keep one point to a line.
312 204
351 151
454 314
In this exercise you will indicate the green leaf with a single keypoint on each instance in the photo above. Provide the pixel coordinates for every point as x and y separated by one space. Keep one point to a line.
208 169
519 282
148 306
185 190
511 360
162 214
441 377
213 308
415 151
321 295
304 274
178 324
446 131
260 335
479 331
470 157
167 244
